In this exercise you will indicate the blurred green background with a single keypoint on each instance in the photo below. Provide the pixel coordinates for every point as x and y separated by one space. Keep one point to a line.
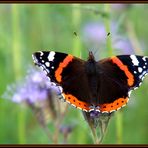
26 28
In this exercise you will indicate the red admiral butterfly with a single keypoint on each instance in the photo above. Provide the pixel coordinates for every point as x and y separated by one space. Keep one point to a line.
103 86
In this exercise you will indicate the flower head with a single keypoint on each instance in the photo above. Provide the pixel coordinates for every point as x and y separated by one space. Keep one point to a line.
95 37
36 90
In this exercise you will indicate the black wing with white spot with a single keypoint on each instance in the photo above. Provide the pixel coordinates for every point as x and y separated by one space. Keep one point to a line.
137 65
49 61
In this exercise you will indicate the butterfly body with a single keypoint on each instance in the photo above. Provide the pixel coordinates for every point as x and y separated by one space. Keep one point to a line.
104 85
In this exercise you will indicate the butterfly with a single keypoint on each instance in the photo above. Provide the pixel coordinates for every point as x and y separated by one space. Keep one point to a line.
104 86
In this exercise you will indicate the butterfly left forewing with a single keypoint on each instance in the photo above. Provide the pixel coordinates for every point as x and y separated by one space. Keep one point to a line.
49 61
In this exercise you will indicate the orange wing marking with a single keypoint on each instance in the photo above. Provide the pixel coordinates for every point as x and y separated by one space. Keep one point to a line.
75 102
125 69
62 65
116 105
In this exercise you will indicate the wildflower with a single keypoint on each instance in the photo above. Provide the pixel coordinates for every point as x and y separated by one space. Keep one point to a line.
36 91
95 118
66 130
95 36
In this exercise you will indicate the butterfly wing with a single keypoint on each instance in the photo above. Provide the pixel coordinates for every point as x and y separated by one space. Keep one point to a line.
68 72
119 76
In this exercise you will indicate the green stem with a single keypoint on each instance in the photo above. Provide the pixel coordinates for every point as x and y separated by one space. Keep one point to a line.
107 26
110 53
119 127
76 17
16 55
95 136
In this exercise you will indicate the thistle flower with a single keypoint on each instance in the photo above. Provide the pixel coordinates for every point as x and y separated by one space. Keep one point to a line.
36 91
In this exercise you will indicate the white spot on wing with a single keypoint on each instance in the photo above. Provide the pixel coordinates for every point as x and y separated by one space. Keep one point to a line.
68 102
124 105
51 56
112 111
91 110
140 69
118 108
41 53
144 58
73 105
85 110
47 64
134 60
127 99
129 93
60 88
79 108
98 110
105 112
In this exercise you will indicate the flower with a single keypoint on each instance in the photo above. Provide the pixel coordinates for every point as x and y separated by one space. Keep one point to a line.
95 35
123 46
36 90
97 119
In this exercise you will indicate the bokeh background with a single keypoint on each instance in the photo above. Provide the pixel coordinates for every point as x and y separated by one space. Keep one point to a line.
105 29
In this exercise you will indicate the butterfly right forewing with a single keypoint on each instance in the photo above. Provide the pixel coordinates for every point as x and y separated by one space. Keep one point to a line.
120 75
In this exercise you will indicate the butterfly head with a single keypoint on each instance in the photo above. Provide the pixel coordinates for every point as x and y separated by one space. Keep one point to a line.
91 56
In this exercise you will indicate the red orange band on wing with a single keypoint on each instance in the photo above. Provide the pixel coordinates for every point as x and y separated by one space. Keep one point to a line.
117 104
123 67
73 100
62 65
107 107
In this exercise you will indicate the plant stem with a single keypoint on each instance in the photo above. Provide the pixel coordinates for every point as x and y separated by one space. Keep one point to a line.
110 53
107 26
16 56
76 17
119 127
57 124
95 136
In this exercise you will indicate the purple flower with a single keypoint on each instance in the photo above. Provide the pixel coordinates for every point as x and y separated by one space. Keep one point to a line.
123 46
95 36
94 33
34 88
66 129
